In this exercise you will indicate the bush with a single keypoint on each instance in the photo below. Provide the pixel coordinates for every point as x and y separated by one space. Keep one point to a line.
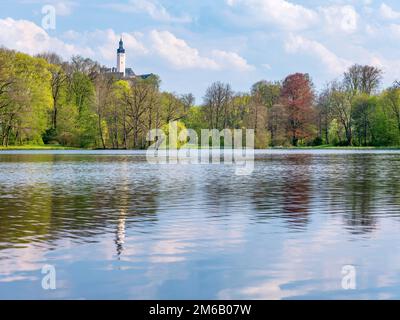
317 142
50 136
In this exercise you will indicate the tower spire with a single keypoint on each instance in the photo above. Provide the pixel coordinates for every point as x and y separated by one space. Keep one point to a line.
121 57
121 46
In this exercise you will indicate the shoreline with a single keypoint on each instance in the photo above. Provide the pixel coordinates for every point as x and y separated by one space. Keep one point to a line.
38 148
56 147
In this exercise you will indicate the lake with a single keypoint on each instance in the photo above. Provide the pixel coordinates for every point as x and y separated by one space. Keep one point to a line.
115 227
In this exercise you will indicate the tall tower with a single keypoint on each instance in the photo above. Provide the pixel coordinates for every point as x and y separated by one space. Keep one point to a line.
121 58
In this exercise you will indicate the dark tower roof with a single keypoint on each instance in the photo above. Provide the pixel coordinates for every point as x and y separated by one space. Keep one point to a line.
121 47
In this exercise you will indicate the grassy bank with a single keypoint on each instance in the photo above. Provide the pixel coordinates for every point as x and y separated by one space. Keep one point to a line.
323 147
330 147
37 147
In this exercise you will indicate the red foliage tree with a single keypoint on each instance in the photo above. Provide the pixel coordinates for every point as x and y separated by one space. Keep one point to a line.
297 99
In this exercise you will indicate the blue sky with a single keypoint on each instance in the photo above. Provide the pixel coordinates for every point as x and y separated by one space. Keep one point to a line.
191 44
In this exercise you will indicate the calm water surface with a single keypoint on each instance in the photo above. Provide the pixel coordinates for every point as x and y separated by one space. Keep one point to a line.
116 227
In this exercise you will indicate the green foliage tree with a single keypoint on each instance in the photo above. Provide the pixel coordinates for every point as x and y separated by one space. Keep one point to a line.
44 99
383 126
363 110
391 102
25 97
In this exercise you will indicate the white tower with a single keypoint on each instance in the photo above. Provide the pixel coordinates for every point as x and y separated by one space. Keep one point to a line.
121 58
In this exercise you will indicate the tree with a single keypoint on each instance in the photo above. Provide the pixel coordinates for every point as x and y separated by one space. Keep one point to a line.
362 79
81 96
138 100
340 101
153 113
24 97
363 110
297 98
188 101
6 77
173 107
324 112
86 66
120 90
267 95
44 99
383 126
391 99
58 82
196 119
239 110
103 95
217 102
257 115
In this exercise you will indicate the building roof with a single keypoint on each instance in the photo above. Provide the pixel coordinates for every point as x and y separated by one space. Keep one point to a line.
145 76
129 72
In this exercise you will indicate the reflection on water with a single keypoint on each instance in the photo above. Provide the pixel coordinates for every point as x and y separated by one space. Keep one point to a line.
117 227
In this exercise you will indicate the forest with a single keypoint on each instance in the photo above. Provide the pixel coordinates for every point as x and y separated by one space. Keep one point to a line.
45 100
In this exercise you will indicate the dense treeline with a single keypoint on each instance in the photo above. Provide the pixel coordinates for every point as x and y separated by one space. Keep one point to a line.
45 100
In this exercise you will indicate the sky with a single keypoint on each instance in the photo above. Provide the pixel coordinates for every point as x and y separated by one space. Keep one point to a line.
192 43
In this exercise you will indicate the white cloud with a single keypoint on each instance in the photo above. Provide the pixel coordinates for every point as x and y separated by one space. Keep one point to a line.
181 56
267 66
151 7
390 67
26 36
101 45
104 43
178 52
282 13
388 13
335 65
344 18
230 60
294 17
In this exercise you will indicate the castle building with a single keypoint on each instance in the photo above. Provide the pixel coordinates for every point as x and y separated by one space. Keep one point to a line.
121 71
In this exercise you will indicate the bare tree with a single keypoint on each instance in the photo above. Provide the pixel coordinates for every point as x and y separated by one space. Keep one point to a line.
362 79
86 66
266 95
217 101
103 91
341 103
188 101
324 113
138 101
